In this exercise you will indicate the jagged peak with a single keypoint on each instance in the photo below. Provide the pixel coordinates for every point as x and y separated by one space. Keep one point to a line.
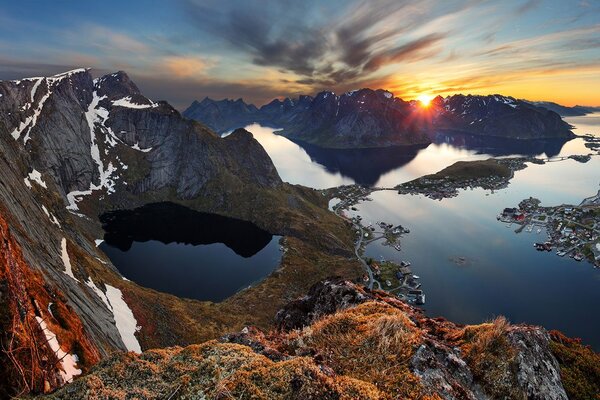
116 85
52 78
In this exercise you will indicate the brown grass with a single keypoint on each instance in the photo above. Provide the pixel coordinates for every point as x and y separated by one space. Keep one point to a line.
372 342
491 357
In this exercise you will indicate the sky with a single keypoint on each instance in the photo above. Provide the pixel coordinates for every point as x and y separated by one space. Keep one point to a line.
258 49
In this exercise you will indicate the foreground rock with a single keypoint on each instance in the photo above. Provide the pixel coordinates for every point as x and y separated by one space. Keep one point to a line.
344 342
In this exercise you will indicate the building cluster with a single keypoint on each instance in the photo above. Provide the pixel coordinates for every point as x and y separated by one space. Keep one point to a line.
573 231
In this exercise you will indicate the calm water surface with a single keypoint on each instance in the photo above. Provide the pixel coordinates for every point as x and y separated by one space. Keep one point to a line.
503 274
308 165
186 253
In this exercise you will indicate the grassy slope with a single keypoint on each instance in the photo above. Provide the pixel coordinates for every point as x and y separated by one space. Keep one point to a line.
461 170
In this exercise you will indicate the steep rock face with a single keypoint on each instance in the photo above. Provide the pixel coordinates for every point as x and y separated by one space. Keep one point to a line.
375 118
85 131
364 344
221 115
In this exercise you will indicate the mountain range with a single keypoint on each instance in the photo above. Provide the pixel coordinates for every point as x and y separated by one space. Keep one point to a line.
565 111
375 118
74 150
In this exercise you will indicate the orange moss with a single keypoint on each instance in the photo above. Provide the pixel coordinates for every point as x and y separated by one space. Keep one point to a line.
29 365
491 357
372 342
215 371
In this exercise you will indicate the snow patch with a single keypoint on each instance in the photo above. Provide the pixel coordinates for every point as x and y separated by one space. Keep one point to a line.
90 283
126 102
95 115
137 147
124 319
66 260
35 176
68 362
50 216
31 120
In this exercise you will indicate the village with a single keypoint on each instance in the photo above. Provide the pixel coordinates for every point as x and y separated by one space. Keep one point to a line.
572 231
395 278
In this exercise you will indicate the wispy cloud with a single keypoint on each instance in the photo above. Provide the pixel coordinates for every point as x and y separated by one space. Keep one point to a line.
262 49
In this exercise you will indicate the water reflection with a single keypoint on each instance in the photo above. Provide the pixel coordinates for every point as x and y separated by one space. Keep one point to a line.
504 275
189 254
309 165
363 166
172 223
498 147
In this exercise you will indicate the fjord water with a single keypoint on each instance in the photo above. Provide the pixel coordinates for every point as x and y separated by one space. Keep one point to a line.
309 165
473 267
186 253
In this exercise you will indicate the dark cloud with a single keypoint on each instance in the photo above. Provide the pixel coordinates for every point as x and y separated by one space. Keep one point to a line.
328 52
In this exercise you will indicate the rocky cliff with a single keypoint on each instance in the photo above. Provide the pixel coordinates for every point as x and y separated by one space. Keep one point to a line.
375 118
341 341
73 148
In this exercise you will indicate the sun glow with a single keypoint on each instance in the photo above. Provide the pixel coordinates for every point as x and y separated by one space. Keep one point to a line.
425 99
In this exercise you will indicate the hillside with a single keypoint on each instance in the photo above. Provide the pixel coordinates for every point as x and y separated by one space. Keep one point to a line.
343 342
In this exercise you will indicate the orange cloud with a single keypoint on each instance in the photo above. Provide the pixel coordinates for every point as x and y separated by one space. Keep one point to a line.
186 67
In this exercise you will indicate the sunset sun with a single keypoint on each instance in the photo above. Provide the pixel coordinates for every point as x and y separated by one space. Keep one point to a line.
425 99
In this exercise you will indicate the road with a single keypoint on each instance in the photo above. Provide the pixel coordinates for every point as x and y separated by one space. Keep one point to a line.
357 247
364 263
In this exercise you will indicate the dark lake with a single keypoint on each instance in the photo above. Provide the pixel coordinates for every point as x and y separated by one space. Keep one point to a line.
190 254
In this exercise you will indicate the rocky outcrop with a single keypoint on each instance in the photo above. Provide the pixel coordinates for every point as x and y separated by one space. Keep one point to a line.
364 344
375 118
324 298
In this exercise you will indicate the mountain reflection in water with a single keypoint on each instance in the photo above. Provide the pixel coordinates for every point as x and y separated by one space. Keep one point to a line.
168 223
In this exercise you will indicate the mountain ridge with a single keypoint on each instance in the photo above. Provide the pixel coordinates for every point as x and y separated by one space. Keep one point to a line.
375 118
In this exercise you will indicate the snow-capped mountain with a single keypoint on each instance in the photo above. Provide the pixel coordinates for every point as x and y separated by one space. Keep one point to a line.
71 148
